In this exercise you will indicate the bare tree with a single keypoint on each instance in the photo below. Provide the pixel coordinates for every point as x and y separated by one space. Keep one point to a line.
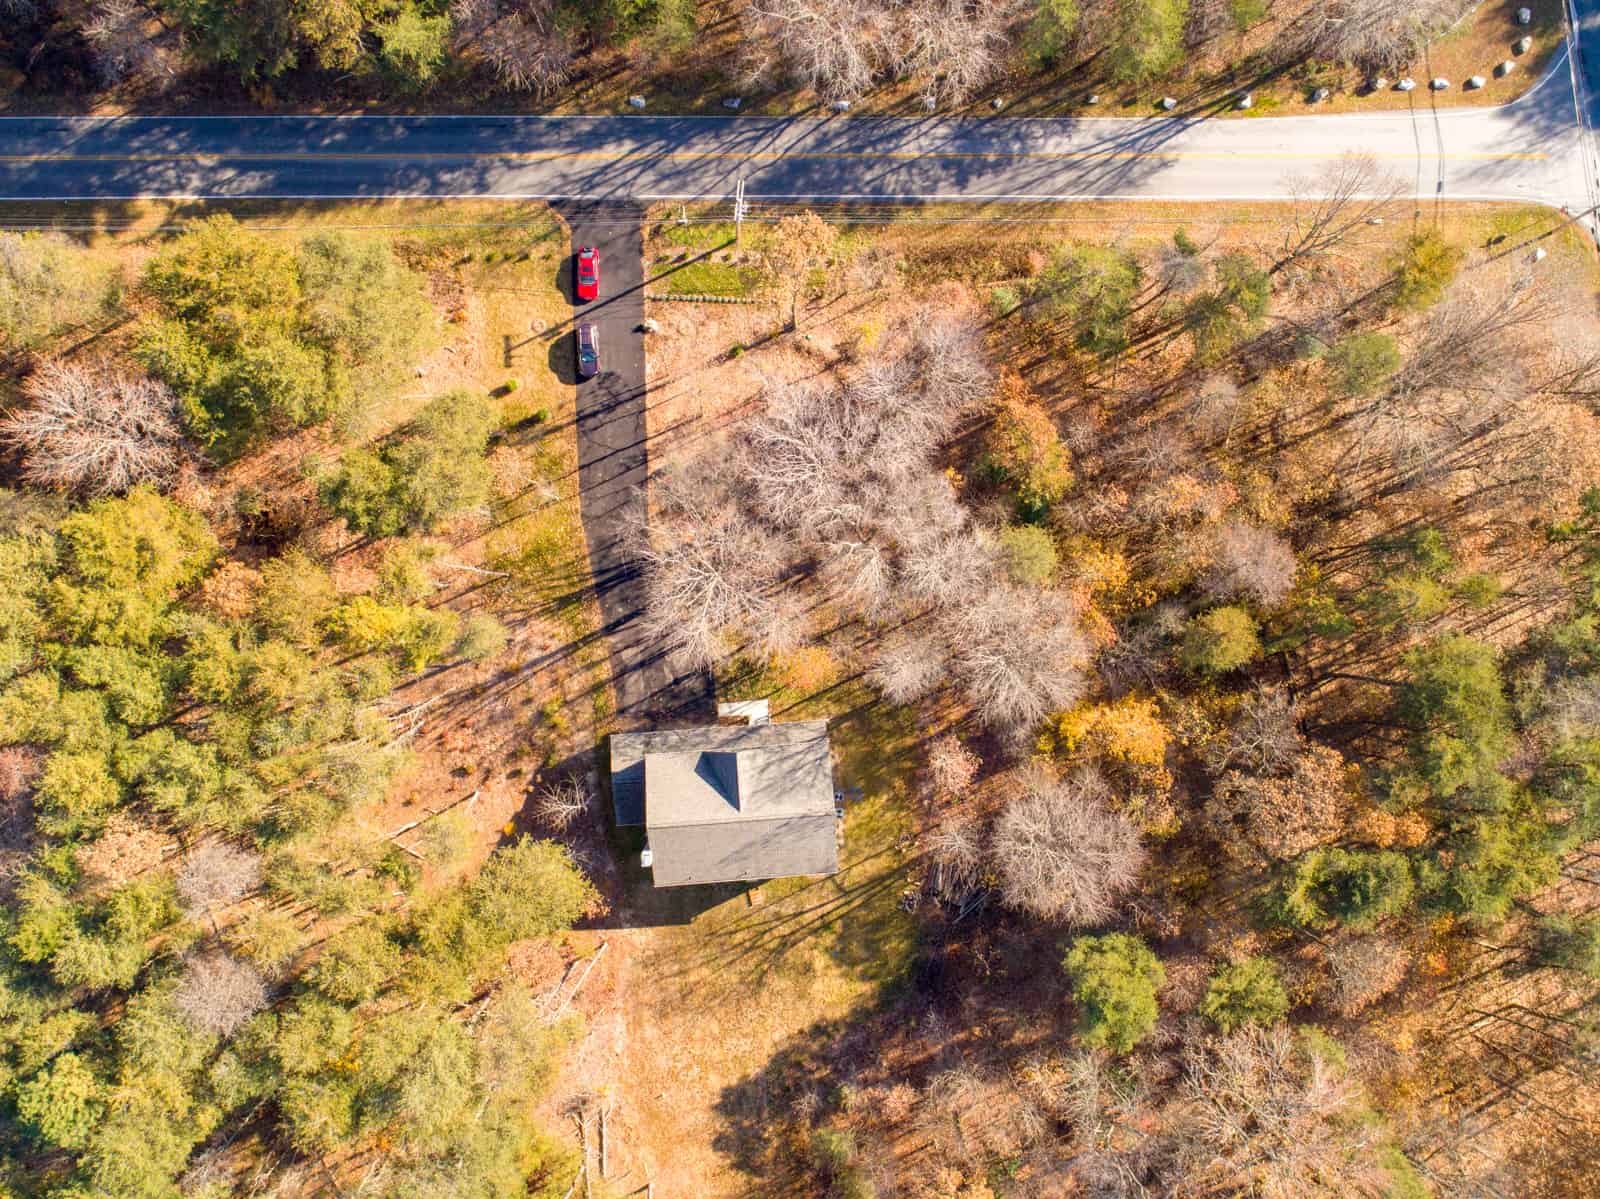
1269 1115
1158 452
217 874
859 573
90 430
835 482
839 48
951 767
1264 737
218 992
1364 969
1332 205
124 45
1251 561
955 855
469 18
909 667
1061 853
523 43
1283 817
1018 654
1463 381
1572 708
952 372
1180 269
831 46
950 569
19 767
1372 34
709 570
1216 407
563 803
953 46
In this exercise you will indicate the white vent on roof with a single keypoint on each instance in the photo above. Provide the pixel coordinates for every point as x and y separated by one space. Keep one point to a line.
646 858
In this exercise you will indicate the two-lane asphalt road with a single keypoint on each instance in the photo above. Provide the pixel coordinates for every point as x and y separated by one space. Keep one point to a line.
1530 150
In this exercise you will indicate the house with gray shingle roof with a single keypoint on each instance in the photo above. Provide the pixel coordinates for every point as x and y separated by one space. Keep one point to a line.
729 803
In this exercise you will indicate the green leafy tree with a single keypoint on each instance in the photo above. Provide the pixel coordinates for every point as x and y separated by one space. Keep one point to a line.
296 595
1423 269
1455 701
356 965
229 298
482 638
412 46
63 1102
1030 554
1570 942
437 1093
1355 886
257 339
428 637
1052 30
530 889
1363 362
121 563
362 623
438 467
1218 319
320 1111
1247 14
312 1034
1114 981
1024 447
1247 992
368 492
361 303
1220 641
1091 288
1146 39
220 277
76 792
404 574
255 37
47 286
1488 861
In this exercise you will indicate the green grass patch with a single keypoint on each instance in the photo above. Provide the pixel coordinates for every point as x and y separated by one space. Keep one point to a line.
707 278
696 236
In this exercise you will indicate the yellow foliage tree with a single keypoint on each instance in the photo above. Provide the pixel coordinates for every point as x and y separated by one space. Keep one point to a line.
792 250
1024 446
1128 731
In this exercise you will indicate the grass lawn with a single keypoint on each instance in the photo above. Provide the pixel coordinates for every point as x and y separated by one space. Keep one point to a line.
707 278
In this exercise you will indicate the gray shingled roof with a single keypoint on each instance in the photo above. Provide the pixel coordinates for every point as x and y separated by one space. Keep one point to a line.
729 803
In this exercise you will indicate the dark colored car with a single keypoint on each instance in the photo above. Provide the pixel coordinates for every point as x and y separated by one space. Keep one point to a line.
588 351
587 273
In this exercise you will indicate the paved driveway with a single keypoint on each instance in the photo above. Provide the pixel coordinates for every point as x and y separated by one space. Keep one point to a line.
614 462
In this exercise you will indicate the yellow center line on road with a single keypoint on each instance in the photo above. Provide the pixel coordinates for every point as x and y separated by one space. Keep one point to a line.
738 155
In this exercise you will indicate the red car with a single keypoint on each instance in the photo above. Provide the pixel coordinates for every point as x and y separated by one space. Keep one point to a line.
587 273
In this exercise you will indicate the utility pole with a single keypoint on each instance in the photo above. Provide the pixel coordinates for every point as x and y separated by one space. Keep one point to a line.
740 207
